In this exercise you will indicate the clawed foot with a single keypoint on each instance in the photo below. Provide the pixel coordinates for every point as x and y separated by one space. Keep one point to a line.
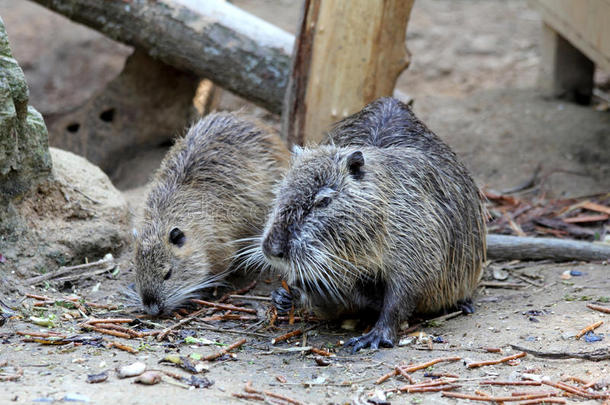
466 306
373 339
282 300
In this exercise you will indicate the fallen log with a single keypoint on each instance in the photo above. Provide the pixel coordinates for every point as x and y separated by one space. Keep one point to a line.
504 247
212 39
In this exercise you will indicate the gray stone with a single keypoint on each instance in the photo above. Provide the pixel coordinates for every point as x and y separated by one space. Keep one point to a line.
24 153
145 106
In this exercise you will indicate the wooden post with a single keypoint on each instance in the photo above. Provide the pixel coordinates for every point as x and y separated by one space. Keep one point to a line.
565 71
347 54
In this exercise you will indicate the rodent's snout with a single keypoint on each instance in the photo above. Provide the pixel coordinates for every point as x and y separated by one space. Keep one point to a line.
152 305
274 247
153 309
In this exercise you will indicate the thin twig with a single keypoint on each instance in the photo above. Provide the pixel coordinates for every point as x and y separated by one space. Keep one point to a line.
321 352
226 307
167 330
574 390
250 297
67 269
589 329
252 397
386 377
41 334
510 383
110 320
237 293
544 401
416 367
110 332
599 308
498 284
432 389
404 374
283 398
225 350
492 399
492 362
124 347
286 336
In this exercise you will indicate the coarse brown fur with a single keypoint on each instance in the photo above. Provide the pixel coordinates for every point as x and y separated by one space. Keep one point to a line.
213 191
381 217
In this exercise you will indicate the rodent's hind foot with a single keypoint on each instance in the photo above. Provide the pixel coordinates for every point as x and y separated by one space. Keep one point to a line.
466 305
373 339
282 300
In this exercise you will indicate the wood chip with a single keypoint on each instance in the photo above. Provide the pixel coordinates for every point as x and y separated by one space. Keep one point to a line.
589 329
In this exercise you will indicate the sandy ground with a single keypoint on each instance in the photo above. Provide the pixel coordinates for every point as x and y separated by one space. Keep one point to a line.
472 77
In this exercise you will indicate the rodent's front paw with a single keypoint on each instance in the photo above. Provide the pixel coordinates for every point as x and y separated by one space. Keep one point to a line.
466 306
282 300
373 339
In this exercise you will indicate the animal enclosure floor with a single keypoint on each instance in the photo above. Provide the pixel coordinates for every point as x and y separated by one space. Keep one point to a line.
543 318
473 76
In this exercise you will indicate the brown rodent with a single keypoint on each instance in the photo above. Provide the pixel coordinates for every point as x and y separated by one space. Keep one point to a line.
381 218
212 192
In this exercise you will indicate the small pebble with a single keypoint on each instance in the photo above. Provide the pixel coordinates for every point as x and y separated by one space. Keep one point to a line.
97 378
149 378
131 370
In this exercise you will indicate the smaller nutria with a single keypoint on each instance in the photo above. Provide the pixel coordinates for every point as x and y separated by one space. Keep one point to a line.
212 191
381 218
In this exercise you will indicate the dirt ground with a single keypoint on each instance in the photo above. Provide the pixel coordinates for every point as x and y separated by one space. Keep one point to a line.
473 74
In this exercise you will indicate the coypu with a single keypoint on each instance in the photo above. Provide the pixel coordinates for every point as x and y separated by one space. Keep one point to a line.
382 217
213 190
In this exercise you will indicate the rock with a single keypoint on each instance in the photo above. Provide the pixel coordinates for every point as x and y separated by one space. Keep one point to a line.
24 154
75 215
145 106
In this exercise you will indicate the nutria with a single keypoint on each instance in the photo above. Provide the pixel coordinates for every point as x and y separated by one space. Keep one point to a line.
383 218
213 191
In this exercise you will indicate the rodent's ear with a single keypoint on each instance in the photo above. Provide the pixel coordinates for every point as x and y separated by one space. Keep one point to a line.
355 161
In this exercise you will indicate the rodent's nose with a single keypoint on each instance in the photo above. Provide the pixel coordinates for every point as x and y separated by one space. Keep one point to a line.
151 304
273 248
153 309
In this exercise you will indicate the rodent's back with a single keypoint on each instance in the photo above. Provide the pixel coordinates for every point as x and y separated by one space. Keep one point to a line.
384 123
435 226
223 169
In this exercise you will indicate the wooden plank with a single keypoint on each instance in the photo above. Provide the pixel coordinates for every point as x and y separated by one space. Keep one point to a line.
564 70
585 23
347 54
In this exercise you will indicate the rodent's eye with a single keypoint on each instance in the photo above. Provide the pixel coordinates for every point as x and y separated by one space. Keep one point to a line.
176 237
322 202
168 275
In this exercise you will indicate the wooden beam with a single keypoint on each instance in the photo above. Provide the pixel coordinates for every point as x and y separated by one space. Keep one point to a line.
212 39
347 54
565 71
584 23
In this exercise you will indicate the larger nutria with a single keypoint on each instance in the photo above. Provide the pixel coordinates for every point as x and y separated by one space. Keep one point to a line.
213 190
383 218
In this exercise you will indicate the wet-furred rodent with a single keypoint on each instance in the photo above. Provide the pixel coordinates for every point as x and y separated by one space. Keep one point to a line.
381 217
213 190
